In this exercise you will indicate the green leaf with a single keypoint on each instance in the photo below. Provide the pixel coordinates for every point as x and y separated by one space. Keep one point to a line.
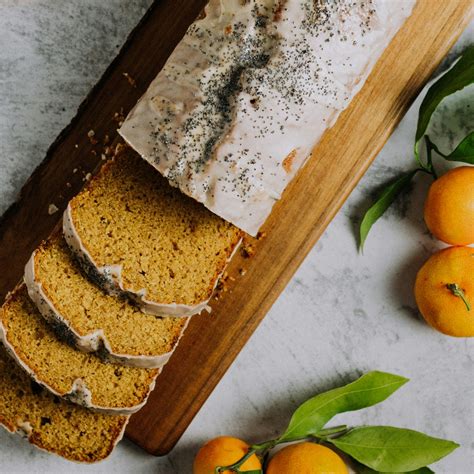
382 203
458 77
370 389
389 449
464 151
361 469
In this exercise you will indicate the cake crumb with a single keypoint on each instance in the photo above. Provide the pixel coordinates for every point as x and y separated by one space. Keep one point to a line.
247 251
91 137
52 209
118 148
130 79
87 177
119 117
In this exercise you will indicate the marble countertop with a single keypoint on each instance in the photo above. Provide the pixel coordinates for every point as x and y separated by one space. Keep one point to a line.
342 314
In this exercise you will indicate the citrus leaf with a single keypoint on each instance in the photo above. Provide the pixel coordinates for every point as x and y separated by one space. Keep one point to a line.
253 471
389 449
361 469
370 389
455 79
382 203
464 151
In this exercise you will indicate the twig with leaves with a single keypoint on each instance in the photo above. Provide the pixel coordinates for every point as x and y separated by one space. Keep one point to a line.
372 448
455 79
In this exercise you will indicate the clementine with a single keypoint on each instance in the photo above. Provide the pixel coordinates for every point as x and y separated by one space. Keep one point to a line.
223 451
306 458
449 207
444 291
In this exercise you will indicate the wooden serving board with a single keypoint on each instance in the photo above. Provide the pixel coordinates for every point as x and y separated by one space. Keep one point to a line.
254 282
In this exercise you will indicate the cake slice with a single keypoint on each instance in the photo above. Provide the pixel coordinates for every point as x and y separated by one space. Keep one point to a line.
90 319
77 376
136 235
52 424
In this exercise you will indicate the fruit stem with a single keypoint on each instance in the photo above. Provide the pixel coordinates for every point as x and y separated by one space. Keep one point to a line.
430 146
252 450
456 290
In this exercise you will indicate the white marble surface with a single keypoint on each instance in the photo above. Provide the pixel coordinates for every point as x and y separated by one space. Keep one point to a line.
342 314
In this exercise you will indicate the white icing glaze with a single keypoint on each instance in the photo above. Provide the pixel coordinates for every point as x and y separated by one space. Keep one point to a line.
249 92
111 279
93 341
79 394
24 428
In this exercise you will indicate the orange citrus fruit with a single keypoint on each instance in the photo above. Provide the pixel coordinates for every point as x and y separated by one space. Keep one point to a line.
444 291
306 458
223 451
449 207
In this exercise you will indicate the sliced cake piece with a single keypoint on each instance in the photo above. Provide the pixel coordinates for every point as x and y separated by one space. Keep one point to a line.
52 424
137 235
77 376
90 319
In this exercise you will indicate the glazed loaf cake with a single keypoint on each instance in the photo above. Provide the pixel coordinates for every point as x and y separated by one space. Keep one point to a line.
51 423
77 376
137 236
250 90
90 319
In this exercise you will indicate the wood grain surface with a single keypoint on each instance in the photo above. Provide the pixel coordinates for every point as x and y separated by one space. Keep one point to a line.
257 276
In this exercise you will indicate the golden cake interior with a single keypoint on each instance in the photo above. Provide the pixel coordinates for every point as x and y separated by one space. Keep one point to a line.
58 365
166 242
66 429
87 309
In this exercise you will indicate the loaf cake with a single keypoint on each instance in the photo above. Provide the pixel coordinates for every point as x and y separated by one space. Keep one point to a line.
250 90
92 320
51 423
77 376
137 236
